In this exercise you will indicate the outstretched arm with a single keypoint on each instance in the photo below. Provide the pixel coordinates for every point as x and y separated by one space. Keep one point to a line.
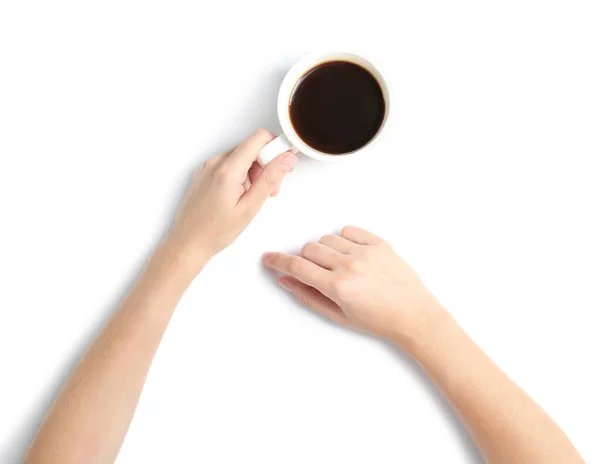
357 280
90 417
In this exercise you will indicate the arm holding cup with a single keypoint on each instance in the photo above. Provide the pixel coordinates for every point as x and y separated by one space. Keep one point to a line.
90 417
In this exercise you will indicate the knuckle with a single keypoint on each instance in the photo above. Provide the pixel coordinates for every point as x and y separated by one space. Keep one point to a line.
271 178
354 264
347 230
222 174
293 265
339 287
262 132
382 244
211 163
325 239
370 251
308 249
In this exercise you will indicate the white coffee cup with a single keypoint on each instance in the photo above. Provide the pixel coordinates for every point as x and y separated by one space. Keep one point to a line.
289 140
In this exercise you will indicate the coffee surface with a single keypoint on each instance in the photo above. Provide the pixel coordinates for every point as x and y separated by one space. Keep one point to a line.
337 107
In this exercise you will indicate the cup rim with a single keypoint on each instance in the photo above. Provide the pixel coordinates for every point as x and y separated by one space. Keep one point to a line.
299 69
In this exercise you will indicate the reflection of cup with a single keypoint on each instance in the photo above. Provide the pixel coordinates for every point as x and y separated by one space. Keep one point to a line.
290 140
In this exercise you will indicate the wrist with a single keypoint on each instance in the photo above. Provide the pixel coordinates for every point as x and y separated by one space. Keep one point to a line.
185 260
189 252
434 325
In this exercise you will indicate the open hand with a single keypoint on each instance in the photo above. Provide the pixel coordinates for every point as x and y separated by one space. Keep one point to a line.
357 280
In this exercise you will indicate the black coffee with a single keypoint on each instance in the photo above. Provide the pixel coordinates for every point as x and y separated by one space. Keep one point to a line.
337 107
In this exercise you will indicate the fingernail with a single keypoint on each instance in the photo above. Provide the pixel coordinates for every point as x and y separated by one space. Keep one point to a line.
288 162
283 284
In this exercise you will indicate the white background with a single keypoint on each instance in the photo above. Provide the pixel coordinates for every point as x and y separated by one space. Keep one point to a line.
486 180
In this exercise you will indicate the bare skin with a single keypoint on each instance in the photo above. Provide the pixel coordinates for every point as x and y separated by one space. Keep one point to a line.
89 419
354 279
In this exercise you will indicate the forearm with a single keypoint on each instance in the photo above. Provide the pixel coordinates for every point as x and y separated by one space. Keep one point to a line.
356 280
90 417
507 425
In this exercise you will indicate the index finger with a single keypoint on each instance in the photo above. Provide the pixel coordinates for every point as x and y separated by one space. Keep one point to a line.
300 268
246 152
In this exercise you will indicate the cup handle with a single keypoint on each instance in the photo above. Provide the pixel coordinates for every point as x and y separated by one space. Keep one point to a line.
275 148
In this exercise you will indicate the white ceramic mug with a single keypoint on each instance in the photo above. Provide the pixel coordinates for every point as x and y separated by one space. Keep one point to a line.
289 140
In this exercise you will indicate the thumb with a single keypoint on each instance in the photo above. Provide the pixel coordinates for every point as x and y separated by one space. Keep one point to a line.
268 180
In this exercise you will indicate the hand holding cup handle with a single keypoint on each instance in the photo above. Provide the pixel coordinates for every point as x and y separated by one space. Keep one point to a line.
274 148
